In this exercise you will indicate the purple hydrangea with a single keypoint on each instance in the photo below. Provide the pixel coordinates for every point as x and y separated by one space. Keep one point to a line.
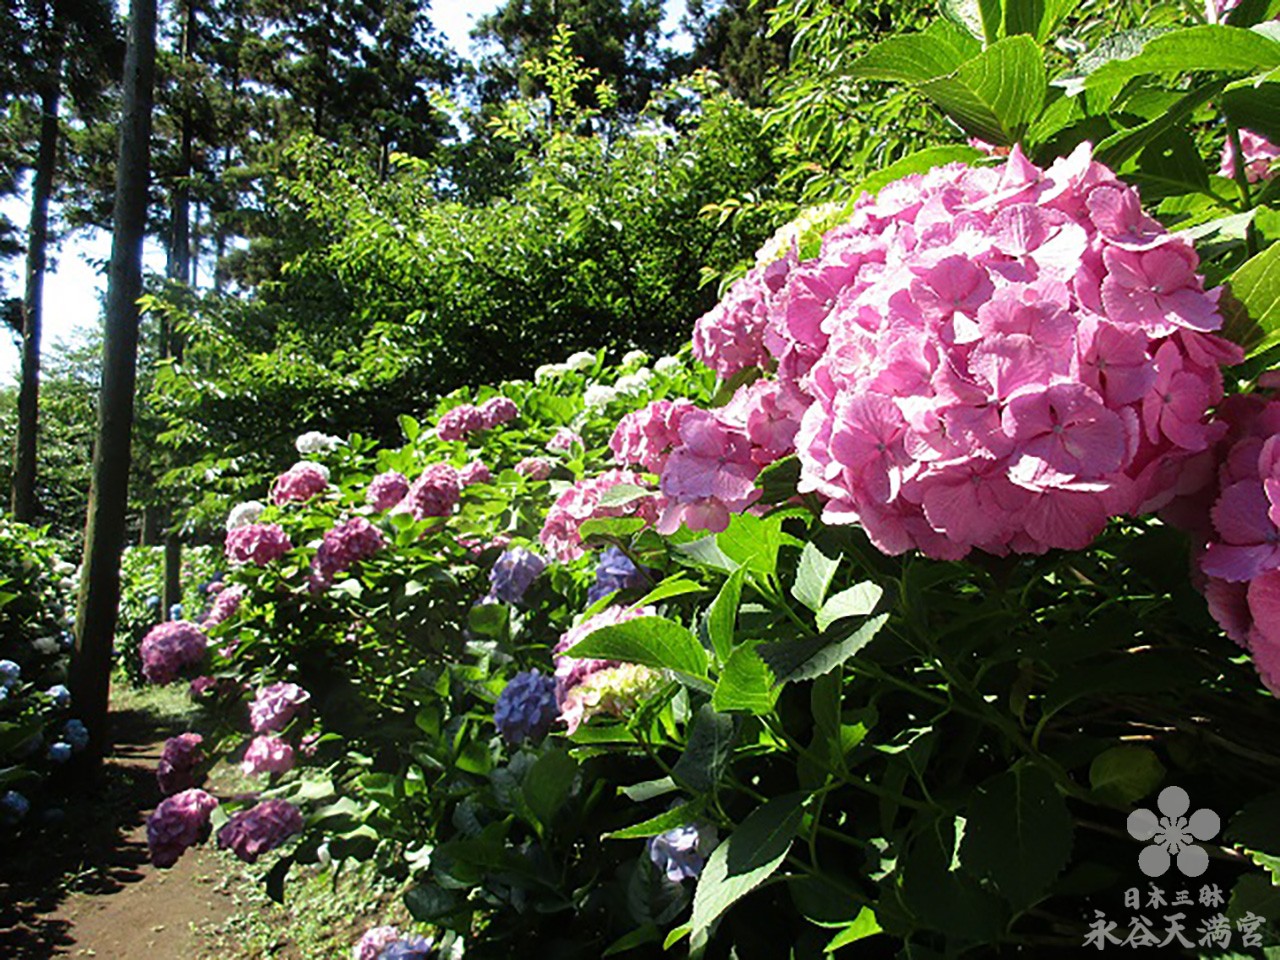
615 571
346 543
455 424
179 822
274 706
474 472
13 806
267 755
434 494
387 489
225 604
373 942
410 948
178 761
251 833
514 572
497 411
169 648
681 853
526 707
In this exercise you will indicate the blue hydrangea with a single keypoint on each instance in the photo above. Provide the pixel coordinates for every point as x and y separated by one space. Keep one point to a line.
60 695
4 693
526 707
76 734
153 602
615 571
10 673
59 752
681 853
409 948
13 806
66 640
175 612
513 573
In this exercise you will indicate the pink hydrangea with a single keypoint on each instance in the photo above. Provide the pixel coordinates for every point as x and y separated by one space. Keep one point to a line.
1259 153
267 755
460 421
257 543
253 832
580 503
498 410
434 494
387 489
179 822
572 672
646 437
169 648
474 472
275 705
224 607
300 483
343 545
999 357
535 468
730 337
563 441
373 942
179 758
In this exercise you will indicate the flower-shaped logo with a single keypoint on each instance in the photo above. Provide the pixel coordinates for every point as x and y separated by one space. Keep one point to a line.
1173 834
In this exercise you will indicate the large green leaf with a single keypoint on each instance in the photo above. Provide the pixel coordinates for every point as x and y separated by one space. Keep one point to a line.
795 660
911 58
1211 48
752 542
746 685
723 615
857 601
668 820
996 95
1252 306
706 755
1122 145
547 784
1017 834
651 641
754 850
1125 773
813 577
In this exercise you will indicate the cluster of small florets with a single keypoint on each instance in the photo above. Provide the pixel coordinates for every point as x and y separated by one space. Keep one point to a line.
373 942
275 705
535 468
513 573
179 822
564 441
225 604
253 832
300 483
1259 156
999 357
474 472
179 763
313 442
257 543
267 754
387 489
459 422
526 708
343 545
681 853
169 648
580 503
243 514
434 494
614 571
647 436
586 687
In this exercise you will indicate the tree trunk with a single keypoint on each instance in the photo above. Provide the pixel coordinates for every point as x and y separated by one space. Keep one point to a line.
24 461
109 487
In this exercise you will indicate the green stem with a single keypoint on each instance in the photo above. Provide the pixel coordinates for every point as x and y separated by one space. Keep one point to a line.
1242 184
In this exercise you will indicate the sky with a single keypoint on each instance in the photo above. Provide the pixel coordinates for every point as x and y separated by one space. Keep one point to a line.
76 281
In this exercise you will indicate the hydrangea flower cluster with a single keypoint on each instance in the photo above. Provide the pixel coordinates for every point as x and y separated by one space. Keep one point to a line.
169 648
513 573
1259 154
614 571
409 948
179 822
300 483
586 687
225 605
13 807
460 421
646 437
434 494
496 411
373 941
580 503
526 708
253 832
535 468
344 544
243 514
275 705
681 853
387 489
179 760
999 357
257 543
267 755
563 441
474 472
314 441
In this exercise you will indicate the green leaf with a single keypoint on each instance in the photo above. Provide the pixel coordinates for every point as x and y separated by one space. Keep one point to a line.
1017 834
410 426
858 601
1211 48
997 94
746 684
1257 826
649 933
779 480
752 542
648 789
675 817
671 587
1120 146
864 925
617 528
722 616
431 903
1251 305
941 897
706 755
1124 774
621 494
705 551
813 577
547 784
1254 107
746 859
794 660
650 641
910 58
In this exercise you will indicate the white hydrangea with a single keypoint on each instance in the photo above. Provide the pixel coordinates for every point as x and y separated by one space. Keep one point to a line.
315 466
243 514
667 364
634 358
316 442
581 361
45 646
633 383
598 396
549 370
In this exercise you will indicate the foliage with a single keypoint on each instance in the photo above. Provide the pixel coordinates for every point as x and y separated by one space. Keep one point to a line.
141 585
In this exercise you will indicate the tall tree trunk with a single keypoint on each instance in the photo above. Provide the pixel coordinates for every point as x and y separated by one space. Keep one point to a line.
109 487
24 461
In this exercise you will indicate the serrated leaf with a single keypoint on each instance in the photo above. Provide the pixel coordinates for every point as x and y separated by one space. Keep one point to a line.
864 925
1125 774
754 850
618 528
547 784
650 641
708 751
723 615
813 577
752 542
794 660
1251 306
746 684
858 601
1212 48
996 95
621 494
671 587
675 817
431 903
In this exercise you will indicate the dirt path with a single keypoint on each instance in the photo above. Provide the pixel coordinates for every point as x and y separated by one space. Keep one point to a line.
82 886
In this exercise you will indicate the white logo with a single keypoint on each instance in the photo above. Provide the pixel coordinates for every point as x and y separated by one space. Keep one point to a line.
1173 834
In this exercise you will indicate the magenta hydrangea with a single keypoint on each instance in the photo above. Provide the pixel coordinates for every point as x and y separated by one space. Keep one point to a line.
474 472
998 358
1259 155
580 503
267 755
169 648
535 468
387 489
647 436
564 440
257 543
730 337
275 705
459 422
299 483
225 605
434 494
179 822
251 833
179 759
498 410
343 545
